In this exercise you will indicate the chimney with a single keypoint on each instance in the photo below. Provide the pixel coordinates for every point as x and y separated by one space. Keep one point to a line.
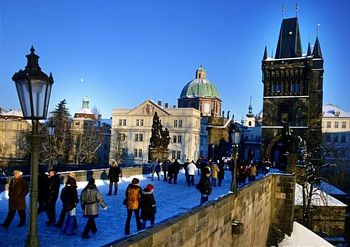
166 105
159 103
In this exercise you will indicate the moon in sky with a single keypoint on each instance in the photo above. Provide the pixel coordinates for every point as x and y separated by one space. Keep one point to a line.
81 79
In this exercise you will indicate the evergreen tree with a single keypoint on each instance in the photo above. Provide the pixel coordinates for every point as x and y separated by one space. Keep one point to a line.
62 122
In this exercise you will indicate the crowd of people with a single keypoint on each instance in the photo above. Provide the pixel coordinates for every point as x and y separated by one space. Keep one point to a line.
138 201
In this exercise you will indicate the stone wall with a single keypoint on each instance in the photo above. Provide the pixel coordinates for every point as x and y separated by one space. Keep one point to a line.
257 216
326 220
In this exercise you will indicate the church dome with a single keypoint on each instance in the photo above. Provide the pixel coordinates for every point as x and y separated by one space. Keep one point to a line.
200 87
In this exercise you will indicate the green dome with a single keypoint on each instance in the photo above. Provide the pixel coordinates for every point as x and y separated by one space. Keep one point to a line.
199 87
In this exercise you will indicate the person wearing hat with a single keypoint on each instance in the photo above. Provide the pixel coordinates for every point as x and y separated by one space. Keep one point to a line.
132 201
18 189
148 205
90 198
53 190
204 186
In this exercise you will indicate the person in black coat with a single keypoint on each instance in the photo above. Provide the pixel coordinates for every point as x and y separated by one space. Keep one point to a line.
165 168
204 186
176 169
70 180
113 175
42 191
221 173
53 191
148 206
69 198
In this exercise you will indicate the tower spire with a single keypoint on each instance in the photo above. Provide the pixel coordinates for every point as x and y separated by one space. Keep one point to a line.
308 49
283 10
296 8
265 53
317 47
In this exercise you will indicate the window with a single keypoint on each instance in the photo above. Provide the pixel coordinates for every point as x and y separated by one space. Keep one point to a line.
335 138
140 152
178 155
343 125
175 123
174 139
122 151
138 137
343 138
139 122
120 122
135 152
173 154
336 124
124 122
180 123
179 139
276 87
329 124
121 136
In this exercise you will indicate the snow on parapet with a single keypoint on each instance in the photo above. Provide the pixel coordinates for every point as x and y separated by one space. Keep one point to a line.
301 236
319 198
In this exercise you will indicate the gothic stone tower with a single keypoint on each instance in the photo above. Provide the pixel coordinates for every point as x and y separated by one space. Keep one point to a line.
293 91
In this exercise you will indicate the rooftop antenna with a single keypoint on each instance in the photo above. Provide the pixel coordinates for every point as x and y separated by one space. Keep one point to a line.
283 11
296 8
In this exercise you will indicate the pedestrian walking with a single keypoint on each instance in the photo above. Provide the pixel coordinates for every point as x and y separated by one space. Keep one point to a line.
252 173
52 195
90 199
221 173
187 162
73 183
204 186
69 198
113 175
148 206
157 170
176 170
214 173
132 203
18 189
191 170
165 168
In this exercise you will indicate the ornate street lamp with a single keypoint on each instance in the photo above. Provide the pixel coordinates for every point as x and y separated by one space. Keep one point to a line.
51 131
34 89
236 137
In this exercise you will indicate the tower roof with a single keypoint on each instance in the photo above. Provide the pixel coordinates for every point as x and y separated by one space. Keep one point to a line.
317 49
199 87
289 43
308 50
265 53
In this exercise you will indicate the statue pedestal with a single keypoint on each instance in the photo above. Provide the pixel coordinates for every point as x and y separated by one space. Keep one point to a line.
158 153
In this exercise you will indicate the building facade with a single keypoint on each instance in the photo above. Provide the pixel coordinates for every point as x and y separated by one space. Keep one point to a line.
13 142
336 135
131 132
293 93
251 136
90 137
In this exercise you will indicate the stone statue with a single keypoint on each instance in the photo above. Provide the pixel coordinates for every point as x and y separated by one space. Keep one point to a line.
159 138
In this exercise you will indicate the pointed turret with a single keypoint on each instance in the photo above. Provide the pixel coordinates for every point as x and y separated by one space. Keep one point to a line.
250 109
289 42
265 53
317 49
308 50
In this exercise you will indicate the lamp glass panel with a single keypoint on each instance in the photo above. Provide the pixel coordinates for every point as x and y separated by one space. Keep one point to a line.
38 94
24 99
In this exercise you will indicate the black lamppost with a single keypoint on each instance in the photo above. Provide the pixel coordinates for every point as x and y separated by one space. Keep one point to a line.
236 137
34 89
51 132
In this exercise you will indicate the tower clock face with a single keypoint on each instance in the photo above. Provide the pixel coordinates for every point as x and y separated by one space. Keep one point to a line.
206 108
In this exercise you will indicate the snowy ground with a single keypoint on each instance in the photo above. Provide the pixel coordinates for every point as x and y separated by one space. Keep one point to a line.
303 237
171 199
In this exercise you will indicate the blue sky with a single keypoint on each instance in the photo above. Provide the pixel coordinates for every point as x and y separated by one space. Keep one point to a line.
119 53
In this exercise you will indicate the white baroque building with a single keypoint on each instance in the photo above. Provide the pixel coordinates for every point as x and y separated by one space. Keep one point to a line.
336 135
131 132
